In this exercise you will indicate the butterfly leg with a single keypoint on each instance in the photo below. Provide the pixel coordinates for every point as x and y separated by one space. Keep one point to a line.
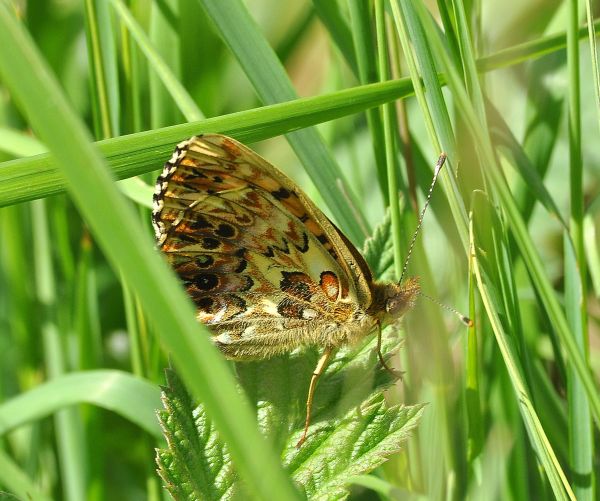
321 364
394 373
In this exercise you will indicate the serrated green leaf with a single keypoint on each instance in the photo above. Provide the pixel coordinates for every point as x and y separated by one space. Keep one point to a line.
186 473
379 250
352 429
360 442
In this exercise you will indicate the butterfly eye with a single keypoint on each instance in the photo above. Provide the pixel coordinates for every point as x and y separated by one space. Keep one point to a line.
393 306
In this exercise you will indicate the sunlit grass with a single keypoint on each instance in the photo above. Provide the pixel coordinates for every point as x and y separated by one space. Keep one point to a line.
513 404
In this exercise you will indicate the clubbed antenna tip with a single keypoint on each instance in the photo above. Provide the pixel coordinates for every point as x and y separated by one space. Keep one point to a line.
463 318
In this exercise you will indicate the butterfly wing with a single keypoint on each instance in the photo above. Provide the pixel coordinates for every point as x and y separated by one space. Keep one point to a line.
265 267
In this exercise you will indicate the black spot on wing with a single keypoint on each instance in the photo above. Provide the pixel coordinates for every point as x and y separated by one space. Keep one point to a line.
205 303
199 223
210 243
296 284
248 285
225 230
206 281
242 266
304 247
281 194
284 247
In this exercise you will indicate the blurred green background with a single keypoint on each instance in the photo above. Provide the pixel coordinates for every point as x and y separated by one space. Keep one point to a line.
127 67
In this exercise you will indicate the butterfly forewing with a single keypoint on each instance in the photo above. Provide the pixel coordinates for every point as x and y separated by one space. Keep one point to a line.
266 269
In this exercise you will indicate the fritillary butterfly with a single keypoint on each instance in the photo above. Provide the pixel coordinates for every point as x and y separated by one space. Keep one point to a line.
266 269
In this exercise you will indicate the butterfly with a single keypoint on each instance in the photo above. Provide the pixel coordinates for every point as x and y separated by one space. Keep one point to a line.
267 270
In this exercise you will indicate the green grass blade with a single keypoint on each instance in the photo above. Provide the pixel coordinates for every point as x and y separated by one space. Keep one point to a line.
17 482
593 55
362 32
592 244
337 26
19 144
482 228
530 50
130 250
70 442
531 182
526 246
31 178
581 434
432 105
259 62
103 68
131 397
164 40
389 138
180 96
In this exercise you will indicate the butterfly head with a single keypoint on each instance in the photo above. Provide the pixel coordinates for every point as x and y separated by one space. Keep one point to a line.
392 300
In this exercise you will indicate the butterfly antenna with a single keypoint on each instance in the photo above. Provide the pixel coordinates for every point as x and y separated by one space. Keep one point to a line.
438 167
463 318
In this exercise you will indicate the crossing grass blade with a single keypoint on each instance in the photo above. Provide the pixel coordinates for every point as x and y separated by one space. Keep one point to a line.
130 250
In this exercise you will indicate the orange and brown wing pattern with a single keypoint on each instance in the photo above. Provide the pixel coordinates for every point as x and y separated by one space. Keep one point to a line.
253 256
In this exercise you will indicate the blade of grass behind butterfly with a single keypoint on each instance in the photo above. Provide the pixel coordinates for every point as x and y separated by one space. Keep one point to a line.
581 433
484 228
519 231
592 243
529 50
104 82
265 71
390 135
515 154
477 100
164 40
432 104
293 38
25 73
501 272
71 444
105 111
440 132
362 32
133 398
544 112
542 389
331 16
593 54
526 247
19 324
132 78
180 96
